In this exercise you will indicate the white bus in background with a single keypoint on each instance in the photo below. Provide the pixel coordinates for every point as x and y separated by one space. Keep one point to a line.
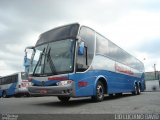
14 85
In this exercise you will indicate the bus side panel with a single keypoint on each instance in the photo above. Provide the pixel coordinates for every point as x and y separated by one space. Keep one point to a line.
116 82
84 83
119 83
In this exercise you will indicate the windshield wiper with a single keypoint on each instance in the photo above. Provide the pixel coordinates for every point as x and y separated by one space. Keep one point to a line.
39 75
39 62
52 66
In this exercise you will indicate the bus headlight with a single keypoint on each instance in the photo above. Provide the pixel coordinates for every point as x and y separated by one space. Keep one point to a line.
65 82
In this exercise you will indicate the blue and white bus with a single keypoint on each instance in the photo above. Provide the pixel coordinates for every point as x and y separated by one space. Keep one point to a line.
14 85
76 61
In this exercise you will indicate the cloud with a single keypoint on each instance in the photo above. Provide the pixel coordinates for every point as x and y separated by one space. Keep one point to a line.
151 48
136 32
132 25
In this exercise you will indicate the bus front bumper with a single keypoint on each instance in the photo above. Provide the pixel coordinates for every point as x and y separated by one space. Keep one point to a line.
21 91
67 90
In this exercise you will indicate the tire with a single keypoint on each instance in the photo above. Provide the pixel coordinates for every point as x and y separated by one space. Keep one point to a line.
28 95
4 94
99 92
63 99
137 90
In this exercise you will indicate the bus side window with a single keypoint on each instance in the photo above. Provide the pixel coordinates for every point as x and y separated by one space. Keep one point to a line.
6 80
15 78
12 78
2 81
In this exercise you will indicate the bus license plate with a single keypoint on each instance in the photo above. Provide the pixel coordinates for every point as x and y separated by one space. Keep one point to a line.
43 91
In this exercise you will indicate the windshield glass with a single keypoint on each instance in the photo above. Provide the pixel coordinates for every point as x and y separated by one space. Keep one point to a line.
53 58
37 61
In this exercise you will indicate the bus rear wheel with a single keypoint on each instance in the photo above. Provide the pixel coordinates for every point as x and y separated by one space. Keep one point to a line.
99 92
63 99
137 90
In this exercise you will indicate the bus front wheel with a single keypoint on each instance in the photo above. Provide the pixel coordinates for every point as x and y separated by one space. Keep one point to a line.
99 92
63 99
4 94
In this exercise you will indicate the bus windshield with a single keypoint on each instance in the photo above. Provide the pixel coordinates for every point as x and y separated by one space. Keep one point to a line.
53 58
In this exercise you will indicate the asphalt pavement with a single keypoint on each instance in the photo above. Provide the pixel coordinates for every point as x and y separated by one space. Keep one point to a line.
147 102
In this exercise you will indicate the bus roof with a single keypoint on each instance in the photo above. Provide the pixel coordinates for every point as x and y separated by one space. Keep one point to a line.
11 74
59 33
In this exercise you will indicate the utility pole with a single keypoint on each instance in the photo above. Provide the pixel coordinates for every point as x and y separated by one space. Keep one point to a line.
155 70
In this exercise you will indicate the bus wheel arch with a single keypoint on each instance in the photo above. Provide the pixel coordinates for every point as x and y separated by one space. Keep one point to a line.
100 89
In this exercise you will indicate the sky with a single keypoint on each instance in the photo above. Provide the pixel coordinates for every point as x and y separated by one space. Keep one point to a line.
134 25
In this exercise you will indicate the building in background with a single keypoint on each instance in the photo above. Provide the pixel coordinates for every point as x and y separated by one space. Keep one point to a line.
152 75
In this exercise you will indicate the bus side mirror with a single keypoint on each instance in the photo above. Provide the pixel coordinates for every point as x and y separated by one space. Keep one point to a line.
27 58
81 49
